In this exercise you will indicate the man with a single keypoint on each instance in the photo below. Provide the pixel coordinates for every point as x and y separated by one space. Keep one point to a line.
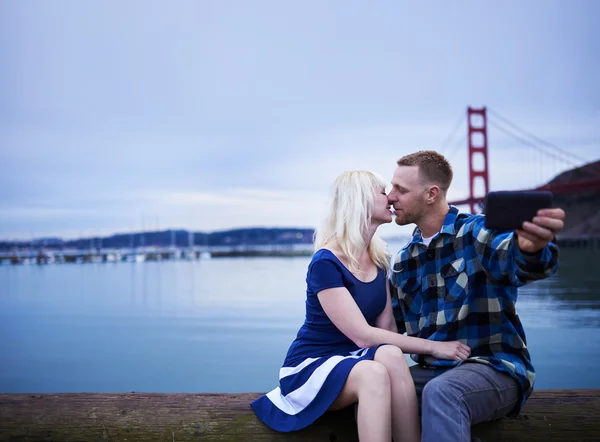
457 280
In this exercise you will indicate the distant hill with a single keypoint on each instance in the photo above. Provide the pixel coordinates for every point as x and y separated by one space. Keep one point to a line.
178 238
587 171
582 209
183 238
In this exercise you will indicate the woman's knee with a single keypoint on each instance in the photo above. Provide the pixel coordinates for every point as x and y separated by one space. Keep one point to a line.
391 357
367 378
371 375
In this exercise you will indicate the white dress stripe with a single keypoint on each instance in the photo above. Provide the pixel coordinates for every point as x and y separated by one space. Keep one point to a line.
360 352
287 371
300 398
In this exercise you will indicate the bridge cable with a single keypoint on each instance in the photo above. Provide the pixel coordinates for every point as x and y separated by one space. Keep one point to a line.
556 157
446 141
535 137
457 146
531 144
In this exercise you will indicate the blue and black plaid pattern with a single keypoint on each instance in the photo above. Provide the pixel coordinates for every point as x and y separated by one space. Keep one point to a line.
464 287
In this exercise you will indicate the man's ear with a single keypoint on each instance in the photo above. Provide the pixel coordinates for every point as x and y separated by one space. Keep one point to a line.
432 194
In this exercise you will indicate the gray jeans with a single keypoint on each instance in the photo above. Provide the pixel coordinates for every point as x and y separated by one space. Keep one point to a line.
453 401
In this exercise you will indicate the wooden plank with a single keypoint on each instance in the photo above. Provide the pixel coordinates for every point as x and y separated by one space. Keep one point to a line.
554 415
549 415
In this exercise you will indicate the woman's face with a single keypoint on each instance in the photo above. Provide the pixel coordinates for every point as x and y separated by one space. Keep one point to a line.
381 208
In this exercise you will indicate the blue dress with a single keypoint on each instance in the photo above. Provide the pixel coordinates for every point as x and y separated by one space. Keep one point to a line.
320 358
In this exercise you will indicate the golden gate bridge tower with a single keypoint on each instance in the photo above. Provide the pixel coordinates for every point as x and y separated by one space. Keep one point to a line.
478 147
566 174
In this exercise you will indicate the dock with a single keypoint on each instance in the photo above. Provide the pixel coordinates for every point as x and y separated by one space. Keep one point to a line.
589 242
551 415
151 254
47 255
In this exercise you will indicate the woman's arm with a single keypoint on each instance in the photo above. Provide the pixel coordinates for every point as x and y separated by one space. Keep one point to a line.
386 319
342 310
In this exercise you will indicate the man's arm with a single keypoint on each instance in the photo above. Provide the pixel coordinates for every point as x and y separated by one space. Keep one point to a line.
524 256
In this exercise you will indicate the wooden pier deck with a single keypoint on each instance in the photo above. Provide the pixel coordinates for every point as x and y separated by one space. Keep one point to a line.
558 415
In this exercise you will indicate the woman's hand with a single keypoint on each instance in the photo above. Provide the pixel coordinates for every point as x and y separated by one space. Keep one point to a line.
452 351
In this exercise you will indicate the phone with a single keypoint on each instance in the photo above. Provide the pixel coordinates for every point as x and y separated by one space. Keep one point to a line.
506 210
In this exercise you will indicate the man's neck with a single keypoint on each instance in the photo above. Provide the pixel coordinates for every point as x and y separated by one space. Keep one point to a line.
433 221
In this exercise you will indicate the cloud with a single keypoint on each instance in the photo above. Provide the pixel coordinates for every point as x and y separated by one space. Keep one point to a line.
227 197
43 213
211 116
240 207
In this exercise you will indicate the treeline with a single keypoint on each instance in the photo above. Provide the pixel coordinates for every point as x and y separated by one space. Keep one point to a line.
177 238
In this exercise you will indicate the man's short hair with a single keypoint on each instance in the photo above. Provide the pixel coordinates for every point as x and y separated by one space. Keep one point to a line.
433 167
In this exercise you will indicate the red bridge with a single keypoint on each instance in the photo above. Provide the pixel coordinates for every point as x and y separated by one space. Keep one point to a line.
585 176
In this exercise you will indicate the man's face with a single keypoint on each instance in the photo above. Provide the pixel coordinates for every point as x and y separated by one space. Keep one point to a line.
407 195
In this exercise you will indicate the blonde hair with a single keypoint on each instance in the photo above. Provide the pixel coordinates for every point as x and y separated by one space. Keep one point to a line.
349 217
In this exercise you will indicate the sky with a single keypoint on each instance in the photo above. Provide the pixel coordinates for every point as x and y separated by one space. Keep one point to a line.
118 116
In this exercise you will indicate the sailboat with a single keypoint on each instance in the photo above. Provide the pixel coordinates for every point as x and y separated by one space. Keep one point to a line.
95 255
205 254
136 256
190 254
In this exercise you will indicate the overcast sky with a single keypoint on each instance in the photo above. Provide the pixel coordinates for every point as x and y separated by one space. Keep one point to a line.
122 115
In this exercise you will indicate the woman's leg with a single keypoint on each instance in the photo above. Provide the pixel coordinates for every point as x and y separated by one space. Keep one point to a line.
369 384
405 408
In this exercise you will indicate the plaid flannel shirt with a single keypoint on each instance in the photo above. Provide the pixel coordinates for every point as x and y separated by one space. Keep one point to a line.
464 287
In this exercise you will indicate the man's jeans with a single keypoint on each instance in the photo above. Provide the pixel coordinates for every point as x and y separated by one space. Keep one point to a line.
469 394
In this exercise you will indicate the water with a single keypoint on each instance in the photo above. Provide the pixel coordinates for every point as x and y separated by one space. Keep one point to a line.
224 325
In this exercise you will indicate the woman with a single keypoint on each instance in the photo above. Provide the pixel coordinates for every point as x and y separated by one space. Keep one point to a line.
349 349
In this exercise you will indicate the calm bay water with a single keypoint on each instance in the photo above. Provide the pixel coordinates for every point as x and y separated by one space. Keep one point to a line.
224 325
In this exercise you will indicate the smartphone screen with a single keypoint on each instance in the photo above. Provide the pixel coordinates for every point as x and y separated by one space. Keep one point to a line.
507 210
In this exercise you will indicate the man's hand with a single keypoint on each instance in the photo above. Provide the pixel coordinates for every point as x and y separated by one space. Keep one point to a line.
452 351
535 235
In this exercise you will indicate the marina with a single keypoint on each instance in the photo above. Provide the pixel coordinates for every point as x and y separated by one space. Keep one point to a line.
83 256
41 256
